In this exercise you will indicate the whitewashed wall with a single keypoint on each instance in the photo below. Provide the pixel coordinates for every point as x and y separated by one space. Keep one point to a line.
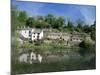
24 33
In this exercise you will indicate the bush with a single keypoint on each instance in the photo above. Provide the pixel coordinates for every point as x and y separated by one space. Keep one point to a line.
38 42
86 46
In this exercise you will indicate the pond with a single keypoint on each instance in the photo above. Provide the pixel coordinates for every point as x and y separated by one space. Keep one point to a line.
52 61
47 56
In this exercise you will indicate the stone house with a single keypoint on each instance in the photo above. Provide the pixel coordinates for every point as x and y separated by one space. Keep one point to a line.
69 38
77 37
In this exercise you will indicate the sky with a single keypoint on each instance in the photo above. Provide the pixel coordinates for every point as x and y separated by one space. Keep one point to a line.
74 12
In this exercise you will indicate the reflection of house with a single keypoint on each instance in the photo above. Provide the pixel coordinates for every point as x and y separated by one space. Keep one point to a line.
24 57
30 57
30 33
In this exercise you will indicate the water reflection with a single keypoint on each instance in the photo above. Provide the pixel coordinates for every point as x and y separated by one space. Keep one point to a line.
30 56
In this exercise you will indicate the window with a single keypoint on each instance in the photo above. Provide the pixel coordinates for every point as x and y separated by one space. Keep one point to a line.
29 32
38 33
38 36
29 35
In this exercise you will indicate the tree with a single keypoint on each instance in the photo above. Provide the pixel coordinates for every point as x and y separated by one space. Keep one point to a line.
93 31
87 46
50 19
14 18
86 29
41 18
59 22
79 27
29 22
22 17
41 24
70 26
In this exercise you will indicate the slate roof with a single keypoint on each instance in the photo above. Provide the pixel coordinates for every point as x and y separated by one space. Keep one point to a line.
37 31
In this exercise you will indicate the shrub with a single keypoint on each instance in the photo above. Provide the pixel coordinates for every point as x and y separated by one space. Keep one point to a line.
86 46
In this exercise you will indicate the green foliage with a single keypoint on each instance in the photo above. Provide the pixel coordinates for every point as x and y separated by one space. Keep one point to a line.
87 29
58 22
18 18
70 26
14 19
22 17
79 27
93 35
38 42
29 22
40 18
93 31
41 24
87 46
50 19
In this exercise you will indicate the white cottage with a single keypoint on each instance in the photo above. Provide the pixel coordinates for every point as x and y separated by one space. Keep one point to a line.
30 33
37 34
25 32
